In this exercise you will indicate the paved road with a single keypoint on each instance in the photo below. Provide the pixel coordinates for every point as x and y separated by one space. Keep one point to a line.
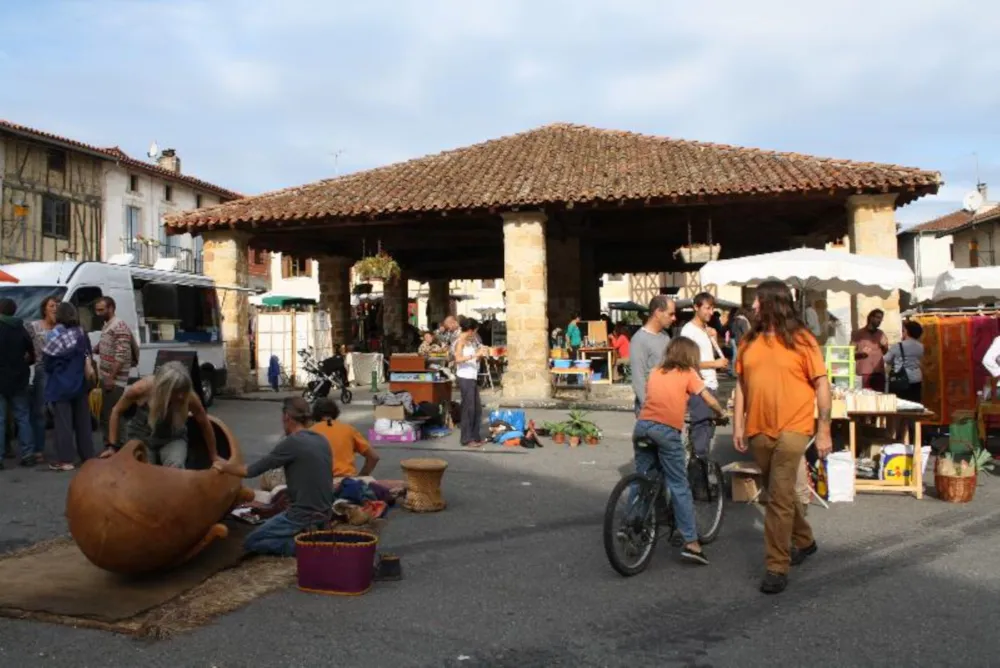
513 574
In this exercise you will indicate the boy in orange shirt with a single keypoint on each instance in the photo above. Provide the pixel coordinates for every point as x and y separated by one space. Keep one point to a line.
345 441
661 421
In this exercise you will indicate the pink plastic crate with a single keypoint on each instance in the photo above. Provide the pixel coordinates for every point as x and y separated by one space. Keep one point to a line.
374 437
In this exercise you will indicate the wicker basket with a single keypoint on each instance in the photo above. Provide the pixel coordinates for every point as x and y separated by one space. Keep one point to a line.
423 484
954 489
335 562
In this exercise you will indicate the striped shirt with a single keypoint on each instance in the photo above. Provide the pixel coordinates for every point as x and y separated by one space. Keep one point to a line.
116 346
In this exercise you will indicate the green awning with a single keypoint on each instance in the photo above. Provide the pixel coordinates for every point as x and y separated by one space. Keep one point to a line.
280 300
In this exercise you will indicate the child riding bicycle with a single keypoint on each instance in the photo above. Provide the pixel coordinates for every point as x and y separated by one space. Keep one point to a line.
661 421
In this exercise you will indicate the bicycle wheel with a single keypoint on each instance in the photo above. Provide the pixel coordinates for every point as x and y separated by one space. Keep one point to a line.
705 478
346 395
630 527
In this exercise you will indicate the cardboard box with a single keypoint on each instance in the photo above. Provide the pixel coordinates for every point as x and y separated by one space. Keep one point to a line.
390 413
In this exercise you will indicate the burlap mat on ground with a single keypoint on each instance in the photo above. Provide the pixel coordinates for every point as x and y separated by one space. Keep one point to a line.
53 582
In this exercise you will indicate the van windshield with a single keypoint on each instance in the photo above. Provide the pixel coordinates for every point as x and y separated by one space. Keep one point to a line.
28 298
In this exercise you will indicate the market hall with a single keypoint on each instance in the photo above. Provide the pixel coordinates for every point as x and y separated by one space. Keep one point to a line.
550 211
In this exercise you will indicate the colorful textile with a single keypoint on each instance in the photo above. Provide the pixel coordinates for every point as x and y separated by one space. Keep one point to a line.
984 330
956 363
931 386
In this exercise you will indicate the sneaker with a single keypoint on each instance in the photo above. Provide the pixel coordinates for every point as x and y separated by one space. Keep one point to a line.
800 554
694 556
773 583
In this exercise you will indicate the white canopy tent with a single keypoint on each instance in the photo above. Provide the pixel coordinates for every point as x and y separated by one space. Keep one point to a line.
978 284
814 269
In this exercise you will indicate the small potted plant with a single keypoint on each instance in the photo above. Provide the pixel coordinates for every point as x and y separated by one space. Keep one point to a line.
592 434
956 474
558 431
575 435
584 428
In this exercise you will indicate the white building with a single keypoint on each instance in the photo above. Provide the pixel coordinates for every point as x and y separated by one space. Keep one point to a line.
137 196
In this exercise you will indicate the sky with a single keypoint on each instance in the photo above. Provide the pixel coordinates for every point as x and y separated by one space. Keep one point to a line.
257 95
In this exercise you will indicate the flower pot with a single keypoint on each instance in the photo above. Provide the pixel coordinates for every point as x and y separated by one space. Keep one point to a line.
954 489
593 440
574 441
559 438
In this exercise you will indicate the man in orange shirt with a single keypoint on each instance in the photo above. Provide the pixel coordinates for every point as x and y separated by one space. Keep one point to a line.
782 382
345 442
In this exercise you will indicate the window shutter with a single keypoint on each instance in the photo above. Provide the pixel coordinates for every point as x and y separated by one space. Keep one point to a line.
285 266
309 268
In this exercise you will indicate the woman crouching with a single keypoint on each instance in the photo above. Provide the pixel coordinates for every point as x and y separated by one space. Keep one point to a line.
661 421
162 403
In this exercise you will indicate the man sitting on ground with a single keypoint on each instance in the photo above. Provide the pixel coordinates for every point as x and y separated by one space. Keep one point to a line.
345 442
306 458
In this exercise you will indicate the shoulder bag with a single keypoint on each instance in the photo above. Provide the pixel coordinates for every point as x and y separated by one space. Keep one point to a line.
899 381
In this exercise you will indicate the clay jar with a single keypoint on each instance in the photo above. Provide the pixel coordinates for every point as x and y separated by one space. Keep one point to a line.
130 517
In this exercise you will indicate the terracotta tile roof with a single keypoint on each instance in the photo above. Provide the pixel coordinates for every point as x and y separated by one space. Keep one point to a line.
985 215
563 164
115 154
945 223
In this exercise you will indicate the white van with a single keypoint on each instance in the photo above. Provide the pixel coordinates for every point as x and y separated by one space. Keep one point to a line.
167 310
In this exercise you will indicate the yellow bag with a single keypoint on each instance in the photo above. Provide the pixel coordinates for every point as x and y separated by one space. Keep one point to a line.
96 400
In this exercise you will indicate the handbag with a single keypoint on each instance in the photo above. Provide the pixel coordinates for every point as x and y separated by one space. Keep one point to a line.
899 381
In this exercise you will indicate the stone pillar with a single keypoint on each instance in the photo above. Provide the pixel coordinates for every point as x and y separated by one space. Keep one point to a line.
590 282
562 257
335 296
226 257
395 297
871 223
438 301
525 280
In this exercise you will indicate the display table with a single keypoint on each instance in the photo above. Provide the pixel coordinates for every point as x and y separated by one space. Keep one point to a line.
435 392
604 355
892 420
984 411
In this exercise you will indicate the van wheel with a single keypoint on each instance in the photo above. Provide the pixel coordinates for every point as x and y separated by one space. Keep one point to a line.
207 391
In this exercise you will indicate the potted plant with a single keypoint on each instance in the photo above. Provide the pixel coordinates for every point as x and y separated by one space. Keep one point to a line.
575 435
558 431
379 266
956 474
583 428
592 434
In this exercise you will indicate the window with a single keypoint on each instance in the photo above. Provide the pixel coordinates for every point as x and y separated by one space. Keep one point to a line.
85 301
256 256
616 277
293 267
973 253
57 160
133 222
133 183
55 217
168 193
488 284
197 201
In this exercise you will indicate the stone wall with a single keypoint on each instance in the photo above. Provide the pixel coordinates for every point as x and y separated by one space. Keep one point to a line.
872 231
563 260
335 295
394 305
525 278
438 301
226 262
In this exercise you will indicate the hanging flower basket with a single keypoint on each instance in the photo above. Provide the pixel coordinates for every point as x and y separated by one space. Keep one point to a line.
698 253
380 266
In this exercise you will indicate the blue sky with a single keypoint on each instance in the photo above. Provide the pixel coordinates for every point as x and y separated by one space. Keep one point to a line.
260 94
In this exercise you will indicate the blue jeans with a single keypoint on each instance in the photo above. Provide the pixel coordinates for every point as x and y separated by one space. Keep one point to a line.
702 429
275 536
20 403
38 409
669 453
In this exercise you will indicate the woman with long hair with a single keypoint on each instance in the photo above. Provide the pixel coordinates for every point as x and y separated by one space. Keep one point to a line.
661 420
162 403
66 356
468 351
782 386
39 330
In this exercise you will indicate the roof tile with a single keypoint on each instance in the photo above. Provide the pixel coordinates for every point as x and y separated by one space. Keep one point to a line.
564 164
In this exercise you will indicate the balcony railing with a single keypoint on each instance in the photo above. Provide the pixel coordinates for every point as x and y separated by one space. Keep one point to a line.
146 252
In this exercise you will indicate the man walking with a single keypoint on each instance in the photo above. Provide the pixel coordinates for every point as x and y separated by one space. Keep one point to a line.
17 354
117 353
649 343
700 413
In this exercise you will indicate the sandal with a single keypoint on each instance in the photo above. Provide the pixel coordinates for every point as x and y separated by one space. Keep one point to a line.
61 467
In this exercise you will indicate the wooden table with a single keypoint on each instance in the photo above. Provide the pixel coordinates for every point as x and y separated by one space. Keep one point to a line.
605 353
435 392
986 409
916 484
565 374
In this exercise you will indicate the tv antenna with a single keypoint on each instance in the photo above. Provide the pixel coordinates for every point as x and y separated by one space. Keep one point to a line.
336 158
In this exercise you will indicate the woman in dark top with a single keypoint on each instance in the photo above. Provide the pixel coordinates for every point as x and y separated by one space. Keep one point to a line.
67 355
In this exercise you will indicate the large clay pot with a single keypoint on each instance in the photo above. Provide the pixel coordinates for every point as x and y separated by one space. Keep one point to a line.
130 517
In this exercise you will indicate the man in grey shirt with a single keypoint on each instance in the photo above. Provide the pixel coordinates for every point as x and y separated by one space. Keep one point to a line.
308 463
649 343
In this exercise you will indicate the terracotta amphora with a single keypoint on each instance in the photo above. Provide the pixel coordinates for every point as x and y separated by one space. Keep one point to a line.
130 517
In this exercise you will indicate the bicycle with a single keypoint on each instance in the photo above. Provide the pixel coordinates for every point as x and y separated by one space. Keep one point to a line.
648 508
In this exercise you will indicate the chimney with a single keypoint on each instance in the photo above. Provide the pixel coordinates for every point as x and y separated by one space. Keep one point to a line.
981 187
169 161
